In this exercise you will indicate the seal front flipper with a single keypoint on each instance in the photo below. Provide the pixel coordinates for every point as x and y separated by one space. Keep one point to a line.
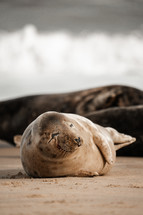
120 140
104 146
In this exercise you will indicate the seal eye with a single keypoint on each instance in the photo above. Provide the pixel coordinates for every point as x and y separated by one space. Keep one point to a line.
55 134
71 125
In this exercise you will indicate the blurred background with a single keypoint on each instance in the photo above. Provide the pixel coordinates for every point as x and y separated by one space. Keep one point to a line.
53 46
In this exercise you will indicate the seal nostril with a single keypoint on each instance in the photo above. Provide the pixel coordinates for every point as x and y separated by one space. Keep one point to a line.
78 141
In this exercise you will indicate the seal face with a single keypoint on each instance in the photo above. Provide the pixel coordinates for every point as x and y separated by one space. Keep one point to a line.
59 144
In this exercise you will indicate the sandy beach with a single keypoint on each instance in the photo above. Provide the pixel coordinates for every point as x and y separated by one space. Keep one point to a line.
118 192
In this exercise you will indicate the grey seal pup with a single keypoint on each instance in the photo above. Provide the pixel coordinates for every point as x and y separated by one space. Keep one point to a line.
60 144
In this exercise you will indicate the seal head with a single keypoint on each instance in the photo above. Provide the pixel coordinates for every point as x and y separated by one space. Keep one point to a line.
50 139
53 135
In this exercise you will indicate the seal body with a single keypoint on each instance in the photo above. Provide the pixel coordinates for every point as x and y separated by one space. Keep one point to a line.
60 144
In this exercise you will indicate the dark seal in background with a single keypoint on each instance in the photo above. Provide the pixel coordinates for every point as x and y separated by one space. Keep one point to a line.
120 107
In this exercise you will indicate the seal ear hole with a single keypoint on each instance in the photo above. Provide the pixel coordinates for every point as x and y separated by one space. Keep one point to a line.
71 125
